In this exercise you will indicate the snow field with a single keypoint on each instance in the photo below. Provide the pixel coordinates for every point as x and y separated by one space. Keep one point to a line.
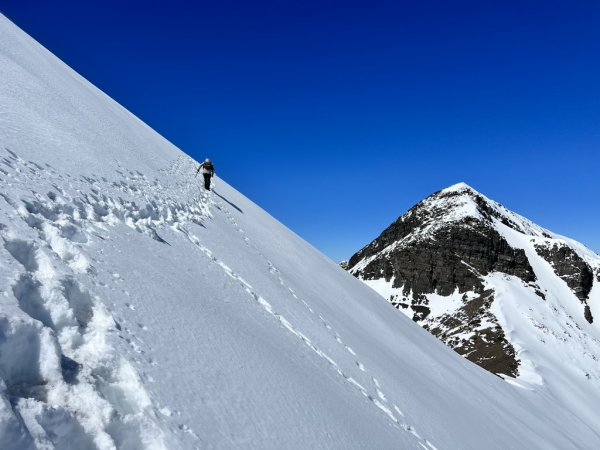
558 347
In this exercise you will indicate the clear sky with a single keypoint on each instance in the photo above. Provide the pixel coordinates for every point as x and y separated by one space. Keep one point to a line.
337 117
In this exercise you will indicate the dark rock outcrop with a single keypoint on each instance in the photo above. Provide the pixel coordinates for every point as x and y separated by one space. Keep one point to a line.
587 313
454 257
487 346
570 267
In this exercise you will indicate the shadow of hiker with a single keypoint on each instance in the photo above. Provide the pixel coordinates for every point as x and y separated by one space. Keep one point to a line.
231 204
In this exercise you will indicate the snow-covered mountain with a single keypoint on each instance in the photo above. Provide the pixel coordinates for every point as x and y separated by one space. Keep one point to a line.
513 297
139 311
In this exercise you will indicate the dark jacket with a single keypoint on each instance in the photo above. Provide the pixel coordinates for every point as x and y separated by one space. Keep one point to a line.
206 168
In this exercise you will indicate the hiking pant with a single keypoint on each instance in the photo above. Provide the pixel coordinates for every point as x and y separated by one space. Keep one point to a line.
207 177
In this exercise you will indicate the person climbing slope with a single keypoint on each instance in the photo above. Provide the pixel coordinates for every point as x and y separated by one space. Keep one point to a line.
208 170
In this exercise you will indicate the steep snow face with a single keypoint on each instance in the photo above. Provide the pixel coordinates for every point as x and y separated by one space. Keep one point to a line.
139 311
504 292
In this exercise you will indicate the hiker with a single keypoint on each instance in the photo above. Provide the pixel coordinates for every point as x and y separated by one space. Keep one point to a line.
208 170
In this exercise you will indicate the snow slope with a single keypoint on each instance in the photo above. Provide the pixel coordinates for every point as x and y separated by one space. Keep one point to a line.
138 311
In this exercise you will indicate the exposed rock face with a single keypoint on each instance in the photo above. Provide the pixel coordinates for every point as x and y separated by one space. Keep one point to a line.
587 313
571 268
488 347
455 257
439 254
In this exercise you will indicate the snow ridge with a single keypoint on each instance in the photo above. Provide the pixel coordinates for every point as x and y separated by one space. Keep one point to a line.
460 203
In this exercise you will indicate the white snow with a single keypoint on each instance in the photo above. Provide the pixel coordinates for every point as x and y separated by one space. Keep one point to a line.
559 347
384 288
138 311
437 304
458 187
440 304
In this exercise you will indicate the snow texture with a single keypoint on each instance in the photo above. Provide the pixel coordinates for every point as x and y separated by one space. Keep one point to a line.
138 311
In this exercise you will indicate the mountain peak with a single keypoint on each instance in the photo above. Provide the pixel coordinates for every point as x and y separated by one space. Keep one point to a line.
460 203
456 260
462 186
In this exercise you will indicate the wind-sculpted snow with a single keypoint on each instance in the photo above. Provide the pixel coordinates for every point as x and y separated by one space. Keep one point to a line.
138 311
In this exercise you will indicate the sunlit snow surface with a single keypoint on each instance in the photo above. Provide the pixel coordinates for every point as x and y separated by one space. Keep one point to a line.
139 311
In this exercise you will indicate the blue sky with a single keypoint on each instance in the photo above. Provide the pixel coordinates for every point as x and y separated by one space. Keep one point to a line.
337 117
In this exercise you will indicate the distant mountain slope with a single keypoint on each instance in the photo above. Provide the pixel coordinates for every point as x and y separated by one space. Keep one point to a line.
139 311
507 294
